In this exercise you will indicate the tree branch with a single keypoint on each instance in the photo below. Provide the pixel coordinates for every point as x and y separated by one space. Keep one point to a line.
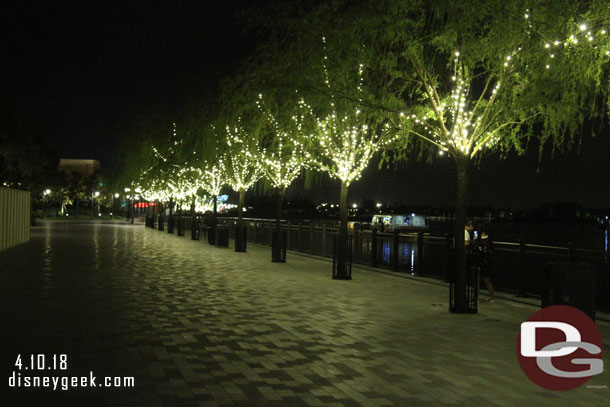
442 147
480 145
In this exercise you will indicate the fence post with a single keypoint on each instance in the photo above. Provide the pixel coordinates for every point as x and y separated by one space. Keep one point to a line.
356 242
324 240
287 235
374 247
395 242
419 270
447 255
521 271
571 252
300 237
311 238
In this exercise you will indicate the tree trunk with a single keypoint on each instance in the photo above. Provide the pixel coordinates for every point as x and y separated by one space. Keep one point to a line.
278 213
215 205
194 228
342 238
461 206
193 200
240 207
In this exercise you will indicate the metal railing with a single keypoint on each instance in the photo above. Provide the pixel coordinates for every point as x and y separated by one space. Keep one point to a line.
516 267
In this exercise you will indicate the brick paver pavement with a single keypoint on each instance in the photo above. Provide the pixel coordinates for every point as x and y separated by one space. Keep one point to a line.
198 325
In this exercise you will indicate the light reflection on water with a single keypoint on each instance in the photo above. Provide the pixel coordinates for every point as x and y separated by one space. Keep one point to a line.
406 254
606 245
385 251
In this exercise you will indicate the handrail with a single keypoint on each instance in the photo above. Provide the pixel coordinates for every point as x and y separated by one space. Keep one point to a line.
389 235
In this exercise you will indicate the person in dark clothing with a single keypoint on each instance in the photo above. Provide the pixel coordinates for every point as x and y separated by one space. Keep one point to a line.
483 248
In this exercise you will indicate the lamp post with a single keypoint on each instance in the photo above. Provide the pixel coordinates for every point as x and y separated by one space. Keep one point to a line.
130 207
137 198
97 194
93 195
45 194
112 205
133 202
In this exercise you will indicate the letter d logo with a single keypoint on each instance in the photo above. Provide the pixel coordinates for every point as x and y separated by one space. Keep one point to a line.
528 338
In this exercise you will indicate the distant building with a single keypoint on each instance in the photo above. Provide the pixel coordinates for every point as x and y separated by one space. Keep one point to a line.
84 167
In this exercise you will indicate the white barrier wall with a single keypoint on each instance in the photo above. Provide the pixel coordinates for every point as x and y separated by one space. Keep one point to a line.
14 217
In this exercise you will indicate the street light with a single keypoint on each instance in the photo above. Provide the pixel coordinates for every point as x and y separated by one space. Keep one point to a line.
93 194
45 193
112 205
131 207
99 212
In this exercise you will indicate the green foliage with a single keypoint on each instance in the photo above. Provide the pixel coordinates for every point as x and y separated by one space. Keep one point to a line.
465 79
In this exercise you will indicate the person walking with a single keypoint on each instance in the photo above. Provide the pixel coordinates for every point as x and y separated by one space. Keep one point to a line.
484 248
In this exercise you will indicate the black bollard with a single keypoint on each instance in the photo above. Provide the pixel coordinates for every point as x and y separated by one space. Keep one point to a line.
194 229
180 226
278 247
211 235
170 224
241 238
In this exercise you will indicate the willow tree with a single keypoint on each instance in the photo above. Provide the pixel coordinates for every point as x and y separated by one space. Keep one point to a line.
242 162
213 178
466 79
285 148
345 140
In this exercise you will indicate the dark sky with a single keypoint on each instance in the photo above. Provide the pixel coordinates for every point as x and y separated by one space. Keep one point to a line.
82 71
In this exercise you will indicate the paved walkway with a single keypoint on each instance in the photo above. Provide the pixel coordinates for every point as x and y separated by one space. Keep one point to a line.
198 325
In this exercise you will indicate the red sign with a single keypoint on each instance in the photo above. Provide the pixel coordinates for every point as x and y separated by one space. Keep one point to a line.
144 204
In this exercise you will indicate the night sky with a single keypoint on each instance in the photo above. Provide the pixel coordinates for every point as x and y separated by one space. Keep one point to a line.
82 72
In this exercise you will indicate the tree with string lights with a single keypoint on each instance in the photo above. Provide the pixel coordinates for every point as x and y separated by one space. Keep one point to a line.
284 152
242 165
346 139
168 175
213 178
466 79
212 166
515 79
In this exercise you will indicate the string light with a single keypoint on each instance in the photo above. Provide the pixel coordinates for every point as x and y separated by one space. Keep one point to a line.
344 141
287 153
462 124
242 164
